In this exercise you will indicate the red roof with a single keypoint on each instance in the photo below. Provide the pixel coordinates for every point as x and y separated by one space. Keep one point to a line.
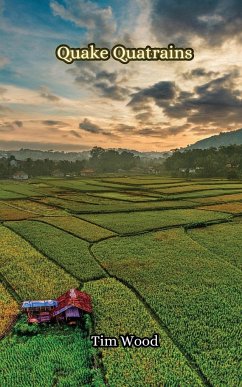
73 297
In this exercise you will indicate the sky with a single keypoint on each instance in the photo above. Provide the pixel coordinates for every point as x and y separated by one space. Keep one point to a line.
147 106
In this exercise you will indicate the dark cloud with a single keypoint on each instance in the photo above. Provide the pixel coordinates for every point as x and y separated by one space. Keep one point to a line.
10 126
75 133
123 128
18 123
161 131
199 73
106 83
212 20
90 127
59 124
45 93
159 93
112 91
211 105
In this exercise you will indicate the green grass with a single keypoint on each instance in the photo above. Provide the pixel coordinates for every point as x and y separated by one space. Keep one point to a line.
30 273
224 240
67 250
79 227
117 311
195 293
149 220
53 356
9 195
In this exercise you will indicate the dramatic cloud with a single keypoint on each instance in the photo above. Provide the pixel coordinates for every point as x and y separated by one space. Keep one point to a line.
98 21
90 127
210 105
45 93
212 20
106 83
160 93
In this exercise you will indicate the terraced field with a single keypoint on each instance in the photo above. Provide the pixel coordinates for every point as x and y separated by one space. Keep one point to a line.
157 255
150 220
66 250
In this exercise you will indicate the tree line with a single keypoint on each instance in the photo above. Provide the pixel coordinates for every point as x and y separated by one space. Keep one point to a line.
213 162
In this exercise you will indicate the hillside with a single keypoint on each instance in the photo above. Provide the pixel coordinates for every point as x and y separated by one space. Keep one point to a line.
222 139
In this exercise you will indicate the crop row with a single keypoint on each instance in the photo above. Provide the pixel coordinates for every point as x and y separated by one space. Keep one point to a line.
195 293
30 273
220 199
148 220
67 250
8 309
79 227
12 213
203 193
24 189
59 356
126 196
112 205
232 208
35 207
198 187
117 311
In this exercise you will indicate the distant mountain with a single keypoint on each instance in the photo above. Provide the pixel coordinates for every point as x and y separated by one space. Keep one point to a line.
222 139
34 154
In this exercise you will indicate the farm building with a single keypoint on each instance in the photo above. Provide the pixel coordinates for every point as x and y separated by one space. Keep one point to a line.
67 308
20 175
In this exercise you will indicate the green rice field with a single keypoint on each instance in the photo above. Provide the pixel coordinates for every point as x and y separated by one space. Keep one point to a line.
158 256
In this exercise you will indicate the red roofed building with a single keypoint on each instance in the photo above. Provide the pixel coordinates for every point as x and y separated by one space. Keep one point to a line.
69 307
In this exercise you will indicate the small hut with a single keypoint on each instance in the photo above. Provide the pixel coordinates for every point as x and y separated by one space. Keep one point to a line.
68 308
72 305
39 311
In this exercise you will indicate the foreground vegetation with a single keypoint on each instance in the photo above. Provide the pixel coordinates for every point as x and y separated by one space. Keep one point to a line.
47 356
